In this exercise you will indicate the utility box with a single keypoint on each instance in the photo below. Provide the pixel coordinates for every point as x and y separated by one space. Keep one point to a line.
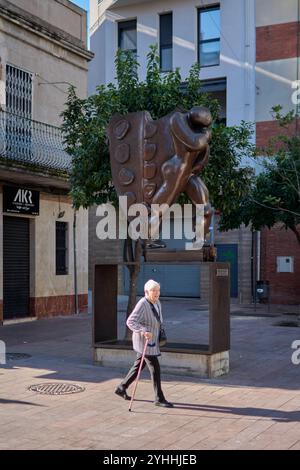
262 291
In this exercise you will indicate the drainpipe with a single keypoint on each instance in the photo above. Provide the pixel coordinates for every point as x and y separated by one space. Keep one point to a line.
252 268
75 264
212 229
258 241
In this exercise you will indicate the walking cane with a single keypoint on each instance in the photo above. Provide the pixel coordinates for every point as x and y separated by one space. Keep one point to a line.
139 373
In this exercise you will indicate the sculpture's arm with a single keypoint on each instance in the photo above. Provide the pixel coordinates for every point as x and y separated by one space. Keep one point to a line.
201 162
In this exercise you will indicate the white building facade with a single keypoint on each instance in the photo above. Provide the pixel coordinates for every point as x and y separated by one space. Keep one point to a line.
249 60
237 44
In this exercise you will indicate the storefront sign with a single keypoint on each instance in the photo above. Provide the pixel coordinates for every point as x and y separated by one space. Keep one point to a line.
18 200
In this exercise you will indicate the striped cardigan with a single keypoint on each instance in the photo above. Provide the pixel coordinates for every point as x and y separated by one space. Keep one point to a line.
142 319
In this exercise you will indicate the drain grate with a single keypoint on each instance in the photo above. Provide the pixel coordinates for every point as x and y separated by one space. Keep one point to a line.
293 324
56 388
16 356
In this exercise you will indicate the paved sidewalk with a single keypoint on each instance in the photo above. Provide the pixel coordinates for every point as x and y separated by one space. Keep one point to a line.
256 406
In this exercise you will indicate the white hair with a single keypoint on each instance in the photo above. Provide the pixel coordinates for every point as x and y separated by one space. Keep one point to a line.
150 285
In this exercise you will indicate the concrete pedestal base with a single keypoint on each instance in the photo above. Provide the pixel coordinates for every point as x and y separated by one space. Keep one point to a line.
178 363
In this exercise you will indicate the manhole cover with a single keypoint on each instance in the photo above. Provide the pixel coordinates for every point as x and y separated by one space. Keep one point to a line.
56 388
16 356
293 324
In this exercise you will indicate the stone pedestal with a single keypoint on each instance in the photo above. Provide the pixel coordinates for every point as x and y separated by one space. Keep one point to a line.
200 365
202 360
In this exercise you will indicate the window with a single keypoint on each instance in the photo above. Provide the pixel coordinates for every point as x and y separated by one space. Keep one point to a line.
165 42
209 36
61 248
127 36
217 89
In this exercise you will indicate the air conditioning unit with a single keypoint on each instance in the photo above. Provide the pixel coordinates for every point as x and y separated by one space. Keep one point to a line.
285 264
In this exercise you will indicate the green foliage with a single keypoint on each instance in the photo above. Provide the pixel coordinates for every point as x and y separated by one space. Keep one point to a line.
275 197
85 124
227 175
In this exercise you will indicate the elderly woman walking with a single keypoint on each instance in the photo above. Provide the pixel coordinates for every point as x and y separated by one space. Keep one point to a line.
145 321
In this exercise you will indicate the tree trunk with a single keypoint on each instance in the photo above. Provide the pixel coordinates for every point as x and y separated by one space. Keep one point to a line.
133 256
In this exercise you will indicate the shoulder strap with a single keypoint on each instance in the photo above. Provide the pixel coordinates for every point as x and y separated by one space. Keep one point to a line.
154 311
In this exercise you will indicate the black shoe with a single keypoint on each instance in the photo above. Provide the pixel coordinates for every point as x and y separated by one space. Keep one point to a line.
122 393
164 403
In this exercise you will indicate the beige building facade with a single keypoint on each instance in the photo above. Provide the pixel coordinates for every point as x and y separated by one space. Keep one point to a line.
43 241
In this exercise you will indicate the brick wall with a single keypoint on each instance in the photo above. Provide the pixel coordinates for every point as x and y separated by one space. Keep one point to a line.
284 287
277 41
44 307
265 130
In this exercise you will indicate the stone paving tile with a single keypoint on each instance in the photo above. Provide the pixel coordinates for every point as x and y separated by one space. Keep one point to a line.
251 434
295 446
256 406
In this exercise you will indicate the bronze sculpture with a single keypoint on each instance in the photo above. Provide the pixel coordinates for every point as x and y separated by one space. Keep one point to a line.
154 161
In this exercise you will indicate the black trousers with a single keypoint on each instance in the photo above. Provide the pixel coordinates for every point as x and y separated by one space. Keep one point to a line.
154 368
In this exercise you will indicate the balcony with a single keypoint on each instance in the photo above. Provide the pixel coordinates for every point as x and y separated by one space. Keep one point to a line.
121 3
33 143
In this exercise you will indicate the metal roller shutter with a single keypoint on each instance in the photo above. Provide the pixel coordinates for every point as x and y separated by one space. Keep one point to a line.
180 280
15 267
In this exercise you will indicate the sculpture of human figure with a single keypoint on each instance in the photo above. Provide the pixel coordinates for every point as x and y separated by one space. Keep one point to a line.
191 137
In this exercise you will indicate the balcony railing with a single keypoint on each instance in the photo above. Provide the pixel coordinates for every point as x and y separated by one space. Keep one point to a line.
26 141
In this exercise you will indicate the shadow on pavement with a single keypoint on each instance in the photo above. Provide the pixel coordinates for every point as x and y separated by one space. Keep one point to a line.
275 415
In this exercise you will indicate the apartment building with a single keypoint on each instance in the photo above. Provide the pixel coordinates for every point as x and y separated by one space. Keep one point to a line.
249 56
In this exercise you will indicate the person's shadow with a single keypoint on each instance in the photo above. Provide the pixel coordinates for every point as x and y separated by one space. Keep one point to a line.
3 401
276 415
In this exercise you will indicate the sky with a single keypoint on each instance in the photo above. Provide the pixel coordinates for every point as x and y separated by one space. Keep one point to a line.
82 3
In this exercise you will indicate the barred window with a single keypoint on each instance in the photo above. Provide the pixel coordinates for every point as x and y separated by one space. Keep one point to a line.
61 248
18 91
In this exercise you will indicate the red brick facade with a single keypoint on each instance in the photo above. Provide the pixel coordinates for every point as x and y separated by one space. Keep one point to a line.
57 305
265 130
43 307
284 287
273 43
277 41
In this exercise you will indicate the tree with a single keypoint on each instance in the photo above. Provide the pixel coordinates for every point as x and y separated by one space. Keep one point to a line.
275 196
85 124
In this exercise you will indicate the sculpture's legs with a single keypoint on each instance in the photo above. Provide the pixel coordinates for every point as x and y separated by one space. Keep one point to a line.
173 174
197 191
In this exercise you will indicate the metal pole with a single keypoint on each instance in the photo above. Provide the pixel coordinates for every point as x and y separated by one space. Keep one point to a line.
138 376
75 263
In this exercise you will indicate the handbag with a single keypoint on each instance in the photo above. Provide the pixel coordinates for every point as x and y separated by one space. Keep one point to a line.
162 337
